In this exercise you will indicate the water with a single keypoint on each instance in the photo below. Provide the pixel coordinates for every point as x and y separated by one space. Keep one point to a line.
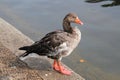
100 44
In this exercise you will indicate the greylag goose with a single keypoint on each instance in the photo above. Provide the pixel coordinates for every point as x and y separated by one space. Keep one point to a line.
58 44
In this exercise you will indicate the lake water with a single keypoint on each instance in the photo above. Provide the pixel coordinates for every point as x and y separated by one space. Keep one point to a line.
100 44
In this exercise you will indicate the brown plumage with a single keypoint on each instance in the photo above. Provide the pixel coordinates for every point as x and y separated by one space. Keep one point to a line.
57 44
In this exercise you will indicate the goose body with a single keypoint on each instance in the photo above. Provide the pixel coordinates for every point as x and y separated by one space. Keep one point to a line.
57 44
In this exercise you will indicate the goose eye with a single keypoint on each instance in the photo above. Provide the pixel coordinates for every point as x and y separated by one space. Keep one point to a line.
74 17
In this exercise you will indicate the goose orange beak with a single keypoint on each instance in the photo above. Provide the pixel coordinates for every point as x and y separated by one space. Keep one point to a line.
78 21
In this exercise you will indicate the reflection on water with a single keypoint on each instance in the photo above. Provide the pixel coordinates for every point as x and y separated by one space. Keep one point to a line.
113 3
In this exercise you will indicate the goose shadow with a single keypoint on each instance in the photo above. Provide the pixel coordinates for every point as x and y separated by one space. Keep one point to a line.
32 63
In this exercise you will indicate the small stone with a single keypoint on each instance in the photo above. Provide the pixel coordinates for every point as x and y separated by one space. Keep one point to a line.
46 74
13 67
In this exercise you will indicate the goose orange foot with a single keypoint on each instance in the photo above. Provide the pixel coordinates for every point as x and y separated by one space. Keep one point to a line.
59 68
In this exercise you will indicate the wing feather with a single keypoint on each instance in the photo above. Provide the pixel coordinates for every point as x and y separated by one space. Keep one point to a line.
52 43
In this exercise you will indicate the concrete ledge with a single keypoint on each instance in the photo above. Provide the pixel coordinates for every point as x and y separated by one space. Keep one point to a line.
11 68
